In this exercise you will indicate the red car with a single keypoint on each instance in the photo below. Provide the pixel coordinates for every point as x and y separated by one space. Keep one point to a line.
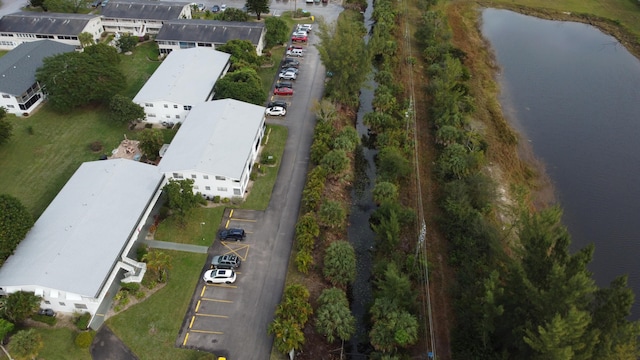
299 38
283 91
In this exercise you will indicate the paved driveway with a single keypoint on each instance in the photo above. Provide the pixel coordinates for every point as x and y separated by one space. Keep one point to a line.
233 319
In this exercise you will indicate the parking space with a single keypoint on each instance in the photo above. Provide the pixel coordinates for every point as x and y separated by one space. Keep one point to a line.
209 323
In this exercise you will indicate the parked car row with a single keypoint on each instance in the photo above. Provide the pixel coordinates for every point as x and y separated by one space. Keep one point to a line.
222 266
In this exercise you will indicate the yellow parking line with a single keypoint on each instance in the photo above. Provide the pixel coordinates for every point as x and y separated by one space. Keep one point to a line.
208 332
231 213
226 226
218 300
184 343
215 316
198 306
247 220
203 289
193 318
224 286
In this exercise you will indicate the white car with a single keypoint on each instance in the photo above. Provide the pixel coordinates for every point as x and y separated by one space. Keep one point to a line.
305 27
276 111
300 33
292 69
223 7
287 75
219 276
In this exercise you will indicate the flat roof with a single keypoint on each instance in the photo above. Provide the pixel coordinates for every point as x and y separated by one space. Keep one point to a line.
80 236
185 77
216 138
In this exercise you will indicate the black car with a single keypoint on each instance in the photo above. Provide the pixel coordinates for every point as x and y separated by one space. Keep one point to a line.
289 62
234 234
280 103
46 312
284 84
215 8
225 262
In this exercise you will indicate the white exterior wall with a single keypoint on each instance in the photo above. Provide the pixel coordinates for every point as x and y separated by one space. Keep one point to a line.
165 47
139 27
159 111
59 301
210 185
8 41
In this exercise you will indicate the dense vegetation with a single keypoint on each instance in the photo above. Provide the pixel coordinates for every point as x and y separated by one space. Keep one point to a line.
533 300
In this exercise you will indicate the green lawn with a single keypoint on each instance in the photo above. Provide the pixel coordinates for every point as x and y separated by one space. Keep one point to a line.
48 147
626 11
260 194
150 328
59 345
193 232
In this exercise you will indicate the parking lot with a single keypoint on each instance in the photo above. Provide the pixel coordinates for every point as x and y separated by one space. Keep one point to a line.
232 319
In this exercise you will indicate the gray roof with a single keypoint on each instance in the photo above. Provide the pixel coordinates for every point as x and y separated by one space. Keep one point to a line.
46 23
143 9
75 243
184 77
216 138
18 67
210 31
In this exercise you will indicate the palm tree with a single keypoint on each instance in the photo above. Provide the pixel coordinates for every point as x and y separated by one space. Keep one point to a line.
158 263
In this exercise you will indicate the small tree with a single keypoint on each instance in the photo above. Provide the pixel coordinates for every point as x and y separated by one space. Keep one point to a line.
335 161
232 14
151 140
243 84
277 31
86 39
332 214
25 344
258 7
385 191
65 6
392 328
123 110
15 223
19 305
340 263
127 42
180 197
158 264
6 328
6 128
333 317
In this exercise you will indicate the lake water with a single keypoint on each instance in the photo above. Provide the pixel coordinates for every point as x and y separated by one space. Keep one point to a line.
573 92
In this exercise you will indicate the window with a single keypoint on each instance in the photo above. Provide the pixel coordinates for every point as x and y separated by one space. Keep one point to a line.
151 115
177 116
175 106
187 107
62 304
166 106
193 176
206 177
177 176
10 106
148 105
80 306
6 96
47 302
222 189
195 187
236 191
207 187
220 178
168 116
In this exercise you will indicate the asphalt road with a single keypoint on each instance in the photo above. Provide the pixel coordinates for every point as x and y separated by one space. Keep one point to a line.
232 319
11 6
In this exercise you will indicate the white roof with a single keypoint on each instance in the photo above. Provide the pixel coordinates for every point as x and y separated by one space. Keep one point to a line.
216 138
185 77
75 243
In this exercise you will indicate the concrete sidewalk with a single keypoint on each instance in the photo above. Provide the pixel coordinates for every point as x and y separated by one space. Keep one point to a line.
175 246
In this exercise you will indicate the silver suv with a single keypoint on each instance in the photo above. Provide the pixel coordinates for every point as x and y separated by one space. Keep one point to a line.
225 262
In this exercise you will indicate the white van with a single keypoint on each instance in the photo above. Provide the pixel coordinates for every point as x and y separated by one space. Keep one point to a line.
297 52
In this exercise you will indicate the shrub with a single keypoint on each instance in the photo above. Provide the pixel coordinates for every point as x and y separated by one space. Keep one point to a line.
226 200
267 158
304 260
84 339
140 252
335 161
82 321
216 199
340 263
131 287
96 146
332 214
148 126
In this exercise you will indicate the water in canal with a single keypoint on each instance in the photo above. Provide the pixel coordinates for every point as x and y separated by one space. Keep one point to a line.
573 92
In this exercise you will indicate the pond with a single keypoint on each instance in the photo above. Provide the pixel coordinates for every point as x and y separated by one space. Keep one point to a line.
573 93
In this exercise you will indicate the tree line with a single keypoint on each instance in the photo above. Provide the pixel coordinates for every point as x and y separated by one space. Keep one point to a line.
528 299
